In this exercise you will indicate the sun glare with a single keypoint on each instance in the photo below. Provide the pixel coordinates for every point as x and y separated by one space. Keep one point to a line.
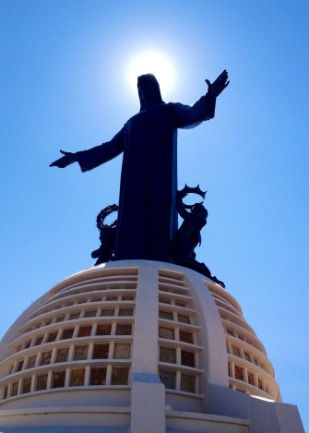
155 63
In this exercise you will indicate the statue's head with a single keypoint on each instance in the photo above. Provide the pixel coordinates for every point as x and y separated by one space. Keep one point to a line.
200 214
148 90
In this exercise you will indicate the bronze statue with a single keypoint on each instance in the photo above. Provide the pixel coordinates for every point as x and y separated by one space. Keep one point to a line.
188 236
106 251
147 217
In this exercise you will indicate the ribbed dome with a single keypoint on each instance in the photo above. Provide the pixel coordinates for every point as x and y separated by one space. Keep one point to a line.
82 342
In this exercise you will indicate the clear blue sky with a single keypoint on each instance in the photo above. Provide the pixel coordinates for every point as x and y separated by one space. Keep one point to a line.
63 85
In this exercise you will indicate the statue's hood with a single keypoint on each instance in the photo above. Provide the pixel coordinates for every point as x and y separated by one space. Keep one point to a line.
148 90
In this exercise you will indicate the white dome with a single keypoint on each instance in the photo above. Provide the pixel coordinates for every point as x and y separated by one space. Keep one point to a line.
86 342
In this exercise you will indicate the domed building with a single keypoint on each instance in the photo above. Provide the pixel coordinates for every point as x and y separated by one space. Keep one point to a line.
143 347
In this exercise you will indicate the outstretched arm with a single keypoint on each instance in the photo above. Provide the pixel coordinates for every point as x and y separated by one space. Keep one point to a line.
204 108
66 160
94 157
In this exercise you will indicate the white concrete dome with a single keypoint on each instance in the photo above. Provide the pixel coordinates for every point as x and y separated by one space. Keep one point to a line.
104 332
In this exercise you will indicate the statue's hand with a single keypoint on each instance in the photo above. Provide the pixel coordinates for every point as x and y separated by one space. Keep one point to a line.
218 85
66 160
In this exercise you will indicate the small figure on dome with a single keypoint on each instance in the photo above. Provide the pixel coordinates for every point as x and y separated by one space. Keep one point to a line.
188 235
106 251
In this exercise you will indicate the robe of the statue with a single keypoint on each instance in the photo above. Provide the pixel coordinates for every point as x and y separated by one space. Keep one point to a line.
147 216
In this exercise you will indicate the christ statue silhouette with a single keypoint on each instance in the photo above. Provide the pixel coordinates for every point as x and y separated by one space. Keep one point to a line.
147 216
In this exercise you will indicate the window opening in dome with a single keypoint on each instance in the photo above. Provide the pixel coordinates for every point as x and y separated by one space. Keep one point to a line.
166 315
164 301
80 353
187 358
186 337
31 361
236 351
58 379
167 333
98 376
127 298
51 337
46 358
77 377
122 351
167 355
20 365
107 312
84 331
26 386
67 333
247 357
41 382
62 355
100 351
38 341
183 319
168 378
180 304
27 344
239 373
91 313
104 329
187 383
125 312
14 388
125 329
120 376
251 378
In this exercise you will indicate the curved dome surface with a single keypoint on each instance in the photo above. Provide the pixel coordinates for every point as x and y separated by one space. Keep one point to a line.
81 335
86 341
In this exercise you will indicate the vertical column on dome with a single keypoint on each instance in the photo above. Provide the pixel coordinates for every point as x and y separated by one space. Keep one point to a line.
147 391
215 357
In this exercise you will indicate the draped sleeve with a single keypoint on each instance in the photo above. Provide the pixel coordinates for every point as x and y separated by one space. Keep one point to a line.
186 115
92 158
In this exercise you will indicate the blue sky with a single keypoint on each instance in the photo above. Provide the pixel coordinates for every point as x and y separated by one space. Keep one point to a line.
63 84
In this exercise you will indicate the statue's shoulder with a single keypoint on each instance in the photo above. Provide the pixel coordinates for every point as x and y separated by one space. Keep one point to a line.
176 107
